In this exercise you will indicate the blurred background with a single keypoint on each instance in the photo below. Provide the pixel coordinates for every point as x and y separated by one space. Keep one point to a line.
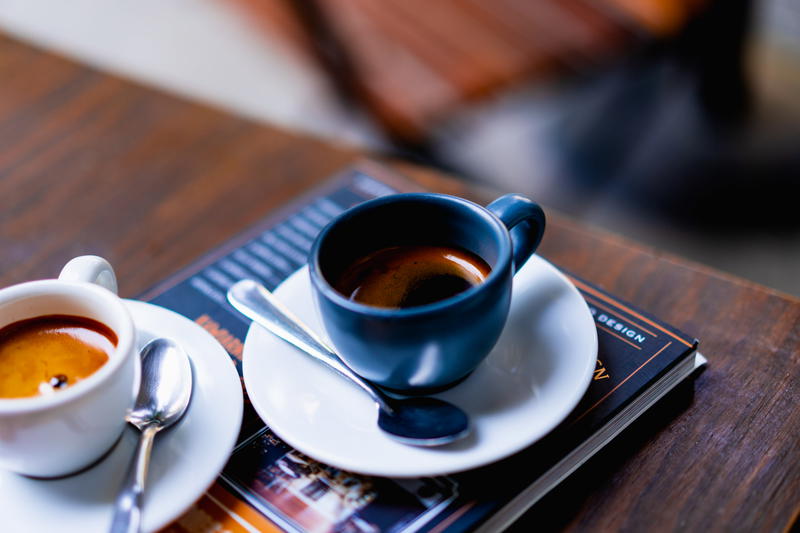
675 123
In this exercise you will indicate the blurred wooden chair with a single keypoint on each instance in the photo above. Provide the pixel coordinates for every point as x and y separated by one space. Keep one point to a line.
410 63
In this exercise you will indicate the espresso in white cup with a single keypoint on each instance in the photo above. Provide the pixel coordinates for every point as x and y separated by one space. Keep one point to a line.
65 428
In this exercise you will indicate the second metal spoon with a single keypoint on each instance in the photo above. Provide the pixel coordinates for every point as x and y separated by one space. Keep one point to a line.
415 421
163 398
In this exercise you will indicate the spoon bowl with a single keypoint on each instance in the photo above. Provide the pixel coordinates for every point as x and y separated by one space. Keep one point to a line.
414 421
166 385
423 421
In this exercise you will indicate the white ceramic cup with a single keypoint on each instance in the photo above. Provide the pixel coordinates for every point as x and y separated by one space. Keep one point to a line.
61 433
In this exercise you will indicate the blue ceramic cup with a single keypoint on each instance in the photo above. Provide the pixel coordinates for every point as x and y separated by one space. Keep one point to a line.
429 347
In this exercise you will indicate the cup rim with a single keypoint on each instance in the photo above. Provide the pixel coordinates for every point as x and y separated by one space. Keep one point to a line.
125 343
494 278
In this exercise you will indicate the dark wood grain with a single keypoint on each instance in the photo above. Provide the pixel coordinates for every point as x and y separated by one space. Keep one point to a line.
90 163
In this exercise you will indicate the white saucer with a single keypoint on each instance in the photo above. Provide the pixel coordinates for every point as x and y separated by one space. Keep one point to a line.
535 376
186 458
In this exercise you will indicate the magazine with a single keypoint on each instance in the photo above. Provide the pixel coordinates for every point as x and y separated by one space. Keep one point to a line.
268 486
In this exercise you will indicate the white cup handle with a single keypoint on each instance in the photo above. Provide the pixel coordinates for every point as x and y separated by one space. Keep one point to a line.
90 269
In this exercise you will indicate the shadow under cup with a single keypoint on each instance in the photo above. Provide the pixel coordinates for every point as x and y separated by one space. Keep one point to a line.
422 349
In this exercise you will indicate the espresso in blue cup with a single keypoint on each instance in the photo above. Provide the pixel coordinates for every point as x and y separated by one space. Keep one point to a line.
414 289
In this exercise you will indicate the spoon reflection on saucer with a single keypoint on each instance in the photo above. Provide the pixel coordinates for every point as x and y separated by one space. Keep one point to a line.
414 421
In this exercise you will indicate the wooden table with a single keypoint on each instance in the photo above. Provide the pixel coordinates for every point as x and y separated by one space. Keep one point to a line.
90 163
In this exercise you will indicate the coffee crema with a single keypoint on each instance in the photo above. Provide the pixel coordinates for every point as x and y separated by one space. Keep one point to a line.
411 275
47 353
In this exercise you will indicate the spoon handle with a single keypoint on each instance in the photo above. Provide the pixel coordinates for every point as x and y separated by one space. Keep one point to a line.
254 301
128 507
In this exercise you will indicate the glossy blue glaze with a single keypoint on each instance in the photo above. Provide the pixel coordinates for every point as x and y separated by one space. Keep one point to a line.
526 222
428 347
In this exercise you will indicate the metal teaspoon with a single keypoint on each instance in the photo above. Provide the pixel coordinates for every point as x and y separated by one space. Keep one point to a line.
415 421
163 397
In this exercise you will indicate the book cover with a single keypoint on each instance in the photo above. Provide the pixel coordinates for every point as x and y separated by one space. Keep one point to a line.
269 486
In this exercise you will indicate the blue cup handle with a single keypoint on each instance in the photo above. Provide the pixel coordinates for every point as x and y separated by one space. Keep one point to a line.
525 222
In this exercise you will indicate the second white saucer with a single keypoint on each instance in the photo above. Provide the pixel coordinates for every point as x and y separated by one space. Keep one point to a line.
534 377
